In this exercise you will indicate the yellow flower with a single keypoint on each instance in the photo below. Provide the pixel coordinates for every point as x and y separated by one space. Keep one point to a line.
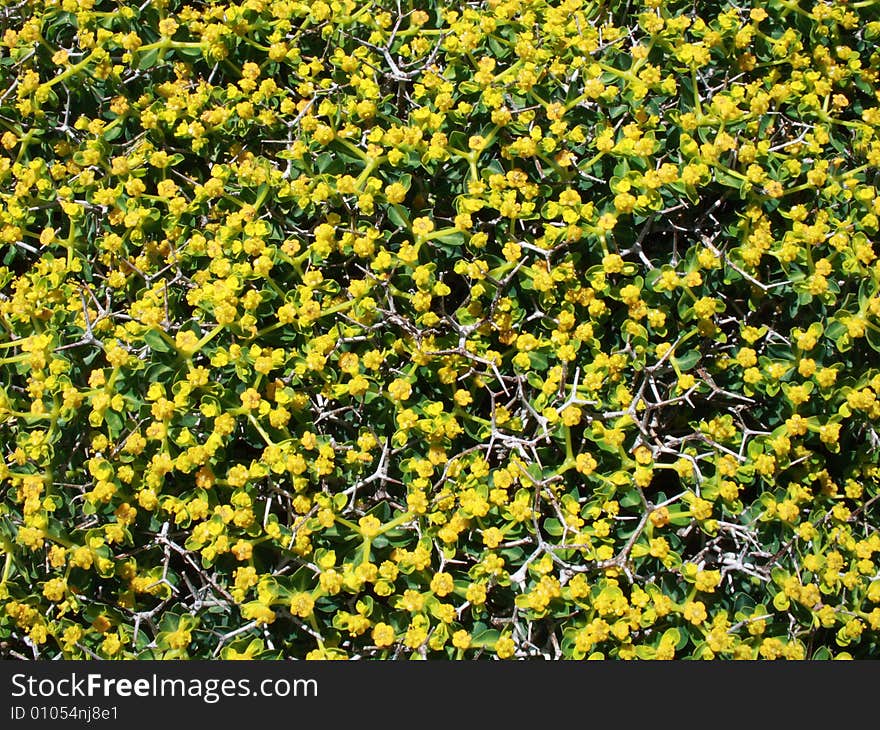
400 389
179 639
395 193
571 415
504 647
370 526
442 584
302 604
607 222
250 399
411 601
55 589
707 580
168 27
492 537
422 226
383 635
695 612
461 639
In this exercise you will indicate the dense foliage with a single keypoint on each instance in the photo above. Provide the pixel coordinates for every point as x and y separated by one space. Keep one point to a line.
495 329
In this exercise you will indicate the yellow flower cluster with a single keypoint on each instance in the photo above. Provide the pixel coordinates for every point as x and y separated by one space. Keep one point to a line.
516 328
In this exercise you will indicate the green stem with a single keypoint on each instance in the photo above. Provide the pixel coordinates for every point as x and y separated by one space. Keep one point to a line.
14 358
7 567
260 429
208 337
399 520
68 72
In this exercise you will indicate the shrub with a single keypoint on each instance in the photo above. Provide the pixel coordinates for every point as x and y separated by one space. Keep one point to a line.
502 329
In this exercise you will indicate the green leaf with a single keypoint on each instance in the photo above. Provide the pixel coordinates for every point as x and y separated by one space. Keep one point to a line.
486 639
781 602
188 52
148 59
397 216
872 337
688 360
156 341
113 421
553 527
